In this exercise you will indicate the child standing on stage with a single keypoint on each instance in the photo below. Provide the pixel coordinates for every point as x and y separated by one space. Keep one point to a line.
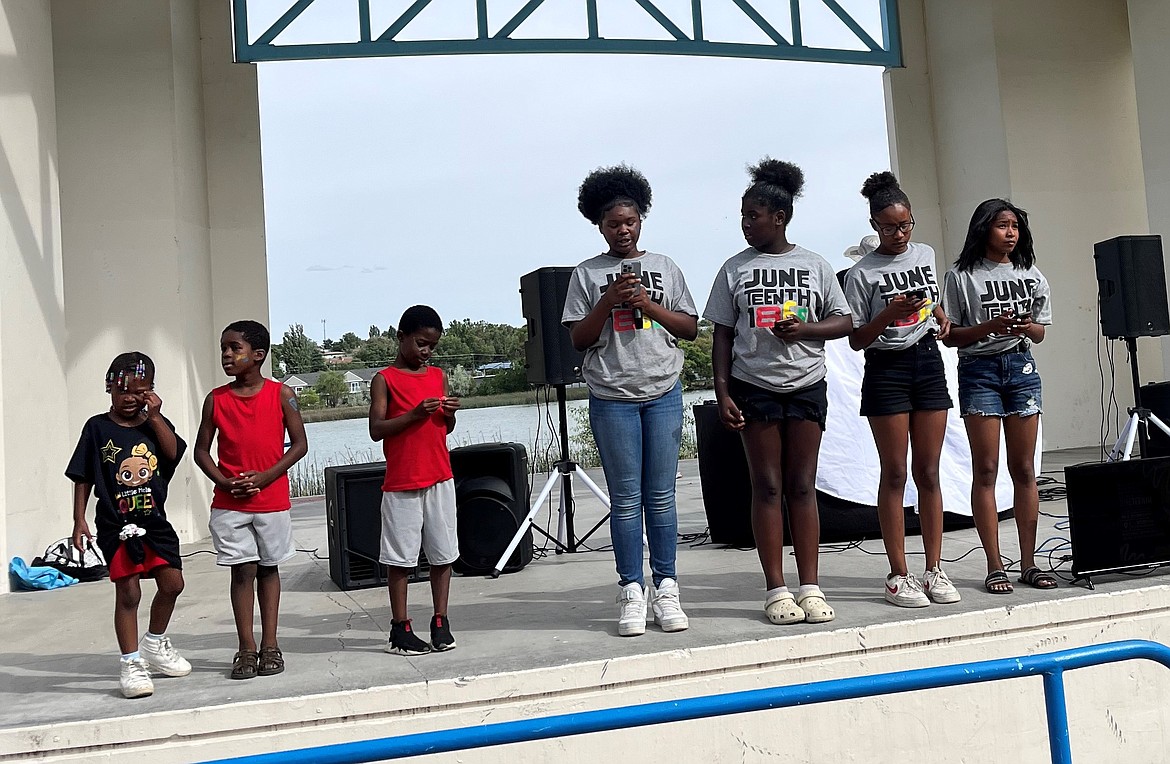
894 297
251 525
411 412
627 309
773 306
128 456
999 304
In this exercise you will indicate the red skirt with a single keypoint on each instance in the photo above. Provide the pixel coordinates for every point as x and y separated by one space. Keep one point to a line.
123 567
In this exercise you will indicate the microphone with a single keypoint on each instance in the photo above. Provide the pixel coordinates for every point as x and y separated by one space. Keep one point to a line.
628 267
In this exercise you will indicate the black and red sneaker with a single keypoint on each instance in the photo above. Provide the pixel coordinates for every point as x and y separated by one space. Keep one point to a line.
403 640
441 639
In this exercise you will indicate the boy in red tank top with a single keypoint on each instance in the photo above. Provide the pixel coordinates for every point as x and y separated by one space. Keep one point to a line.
251 526
411 413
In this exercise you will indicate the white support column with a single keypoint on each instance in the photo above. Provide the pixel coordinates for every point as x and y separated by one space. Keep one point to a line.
161 202
1035 102
35 433
235 187
1149 29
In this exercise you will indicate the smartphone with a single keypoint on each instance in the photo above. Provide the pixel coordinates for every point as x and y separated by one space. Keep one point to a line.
632 267
916 294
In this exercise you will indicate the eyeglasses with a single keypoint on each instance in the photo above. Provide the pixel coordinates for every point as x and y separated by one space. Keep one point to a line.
890 230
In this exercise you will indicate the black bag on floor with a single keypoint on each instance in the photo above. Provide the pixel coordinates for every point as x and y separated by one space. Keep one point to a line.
84 565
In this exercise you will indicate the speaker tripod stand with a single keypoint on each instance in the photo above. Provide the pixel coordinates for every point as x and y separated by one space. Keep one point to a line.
565 468
1140 417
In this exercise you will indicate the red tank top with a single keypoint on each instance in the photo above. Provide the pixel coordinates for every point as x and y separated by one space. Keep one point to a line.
251 437
416 457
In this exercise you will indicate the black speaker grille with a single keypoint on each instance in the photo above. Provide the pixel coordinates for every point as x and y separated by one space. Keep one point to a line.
1131 287
548 351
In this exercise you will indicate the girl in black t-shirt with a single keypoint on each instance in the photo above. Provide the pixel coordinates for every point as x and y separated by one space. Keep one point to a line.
127 456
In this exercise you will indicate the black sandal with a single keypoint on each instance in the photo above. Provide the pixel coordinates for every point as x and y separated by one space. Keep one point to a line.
997 582
271 661
245 664
1037 579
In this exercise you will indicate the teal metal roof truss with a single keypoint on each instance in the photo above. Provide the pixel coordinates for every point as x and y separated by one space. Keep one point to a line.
776 30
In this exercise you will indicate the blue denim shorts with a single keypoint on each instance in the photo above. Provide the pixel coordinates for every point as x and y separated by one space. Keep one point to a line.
999 385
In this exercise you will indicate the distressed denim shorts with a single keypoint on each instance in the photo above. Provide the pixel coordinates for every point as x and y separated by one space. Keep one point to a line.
999 385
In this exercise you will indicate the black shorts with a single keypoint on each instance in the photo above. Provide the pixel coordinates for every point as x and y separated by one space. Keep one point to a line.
897 381
758 404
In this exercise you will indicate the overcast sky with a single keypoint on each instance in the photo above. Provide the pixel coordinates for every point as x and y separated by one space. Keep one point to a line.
441 180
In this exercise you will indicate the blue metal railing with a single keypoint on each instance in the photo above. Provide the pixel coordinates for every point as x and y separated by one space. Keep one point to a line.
1051 666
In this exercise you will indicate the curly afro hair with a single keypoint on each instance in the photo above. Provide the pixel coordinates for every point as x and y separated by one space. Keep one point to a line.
882 191
609 187
775 184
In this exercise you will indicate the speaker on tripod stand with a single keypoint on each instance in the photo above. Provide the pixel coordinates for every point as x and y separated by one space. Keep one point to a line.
1131 292
552 360
1119 512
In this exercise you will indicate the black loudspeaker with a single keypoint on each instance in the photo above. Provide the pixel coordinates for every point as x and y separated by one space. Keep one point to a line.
491 492
727 494
723 478
353 514
1131 287
549 354
1156 397
1118 515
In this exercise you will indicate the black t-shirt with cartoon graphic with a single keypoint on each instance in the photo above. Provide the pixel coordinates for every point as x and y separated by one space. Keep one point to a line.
129 478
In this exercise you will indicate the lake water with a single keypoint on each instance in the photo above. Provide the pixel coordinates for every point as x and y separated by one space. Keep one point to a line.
347 441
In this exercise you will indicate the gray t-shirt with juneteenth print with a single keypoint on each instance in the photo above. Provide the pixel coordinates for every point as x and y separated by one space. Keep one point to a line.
986 291
752 292
628 362
877 279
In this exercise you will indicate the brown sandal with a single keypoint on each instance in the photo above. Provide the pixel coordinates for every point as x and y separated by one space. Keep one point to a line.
245 664
271 661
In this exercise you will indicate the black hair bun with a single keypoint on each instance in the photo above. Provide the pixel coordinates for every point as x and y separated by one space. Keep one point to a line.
776 172
607 185
879 182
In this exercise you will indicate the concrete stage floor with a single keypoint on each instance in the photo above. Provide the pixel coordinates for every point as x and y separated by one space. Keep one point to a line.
58 661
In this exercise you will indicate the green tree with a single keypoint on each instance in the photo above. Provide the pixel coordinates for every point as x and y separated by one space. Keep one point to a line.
459 381
332 388
348 343
377 351
514 380
697 371
374 331
309 399
298 353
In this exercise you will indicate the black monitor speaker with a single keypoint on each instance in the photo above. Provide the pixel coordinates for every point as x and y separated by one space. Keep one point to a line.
1156 397
727 494
1118 515
353 514
491 492
1131 287
549 354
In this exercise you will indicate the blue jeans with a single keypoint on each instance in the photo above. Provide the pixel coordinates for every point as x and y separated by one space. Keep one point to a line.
1007 384
638 442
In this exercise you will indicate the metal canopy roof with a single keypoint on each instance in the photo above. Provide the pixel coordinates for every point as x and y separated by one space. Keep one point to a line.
366 40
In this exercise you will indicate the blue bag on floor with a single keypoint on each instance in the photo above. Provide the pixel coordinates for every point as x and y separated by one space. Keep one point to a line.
40 577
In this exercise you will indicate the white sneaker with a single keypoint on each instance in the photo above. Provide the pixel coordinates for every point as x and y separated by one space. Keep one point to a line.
668 612
939 587
632 620
905 591
162 656
135 679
